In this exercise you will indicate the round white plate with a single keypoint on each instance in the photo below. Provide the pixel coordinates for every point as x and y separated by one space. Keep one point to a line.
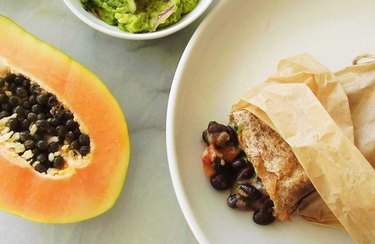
239 44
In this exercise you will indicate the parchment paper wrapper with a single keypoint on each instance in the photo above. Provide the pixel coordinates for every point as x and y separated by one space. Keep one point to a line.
322 82
358 82
313 117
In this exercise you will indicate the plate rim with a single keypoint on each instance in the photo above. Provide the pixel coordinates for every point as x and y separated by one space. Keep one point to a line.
170 126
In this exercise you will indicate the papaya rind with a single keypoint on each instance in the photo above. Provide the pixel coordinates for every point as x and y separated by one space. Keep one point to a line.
91 190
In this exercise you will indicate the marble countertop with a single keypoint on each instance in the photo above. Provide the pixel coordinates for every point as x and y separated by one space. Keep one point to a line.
139 74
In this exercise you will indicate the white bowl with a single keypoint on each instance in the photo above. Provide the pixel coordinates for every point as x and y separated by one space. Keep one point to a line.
76 7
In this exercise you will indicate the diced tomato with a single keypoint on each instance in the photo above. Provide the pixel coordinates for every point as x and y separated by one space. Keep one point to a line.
207 158
229 153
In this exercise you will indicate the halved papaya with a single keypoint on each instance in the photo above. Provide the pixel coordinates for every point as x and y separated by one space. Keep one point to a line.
64 145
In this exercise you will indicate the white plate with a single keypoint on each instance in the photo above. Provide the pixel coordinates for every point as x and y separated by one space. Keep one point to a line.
239 44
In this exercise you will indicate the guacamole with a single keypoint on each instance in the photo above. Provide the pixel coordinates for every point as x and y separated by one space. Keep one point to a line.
137 16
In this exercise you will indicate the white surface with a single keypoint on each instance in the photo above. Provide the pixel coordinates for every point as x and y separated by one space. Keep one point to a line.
76 7
139 74
240 44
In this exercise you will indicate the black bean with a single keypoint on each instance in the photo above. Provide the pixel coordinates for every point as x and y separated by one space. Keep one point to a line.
245 173
214 127
3 98
239 163
13 124
42 145
25 135
216 134
84 150
58 162
219 165
41 168
14 101
267 204
4 114
221 181
84 140
232 200
263 217
248 191
29 144
53 147
233 138
42 99
32 117
20 91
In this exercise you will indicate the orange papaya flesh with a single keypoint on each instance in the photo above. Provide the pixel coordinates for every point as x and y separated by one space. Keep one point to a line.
89 190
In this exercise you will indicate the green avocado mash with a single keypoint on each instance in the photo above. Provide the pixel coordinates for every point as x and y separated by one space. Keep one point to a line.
137 16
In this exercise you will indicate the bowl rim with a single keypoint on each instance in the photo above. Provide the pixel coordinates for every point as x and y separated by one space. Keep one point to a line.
185 21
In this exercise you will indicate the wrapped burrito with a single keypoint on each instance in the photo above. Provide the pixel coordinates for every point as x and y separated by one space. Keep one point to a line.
299 129
329 159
